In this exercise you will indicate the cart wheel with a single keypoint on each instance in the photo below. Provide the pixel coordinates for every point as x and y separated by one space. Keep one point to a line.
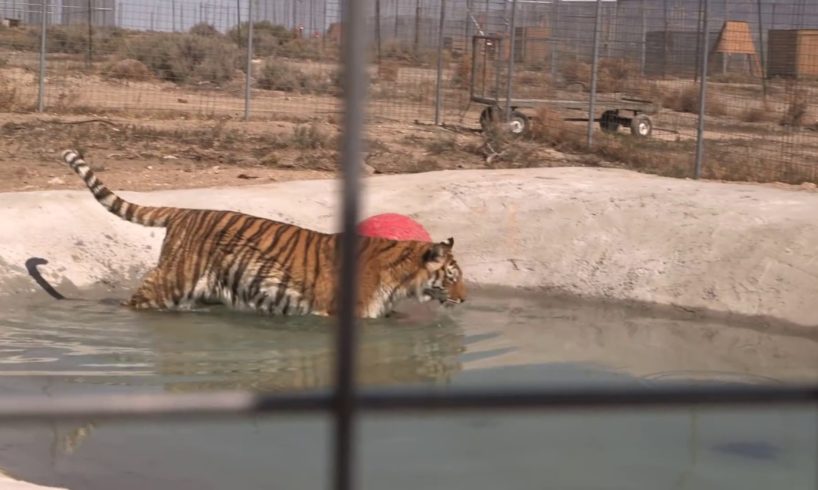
641 126
609 122
518 124
488 117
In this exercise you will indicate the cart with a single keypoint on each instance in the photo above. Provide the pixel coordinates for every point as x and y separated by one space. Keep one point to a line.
613 111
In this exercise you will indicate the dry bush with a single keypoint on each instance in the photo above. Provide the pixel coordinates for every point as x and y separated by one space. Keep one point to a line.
797 108
204 29
73 39
462 72
19 38
686 99
756 114
388 71
9 100
275 75
186 58
404 53
128 69
311 137
576 72
441 143
548 126
648 155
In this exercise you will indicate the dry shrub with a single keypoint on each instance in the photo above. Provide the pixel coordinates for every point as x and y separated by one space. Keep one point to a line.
128 69
8 96
576 72
388 71
796 108
441 143
686 99
204 29
462 72
649 155
756 114
186 58
310 137
549 126
275 75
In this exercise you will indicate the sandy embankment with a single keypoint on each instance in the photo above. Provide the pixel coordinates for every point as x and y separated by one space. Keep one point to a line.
744 249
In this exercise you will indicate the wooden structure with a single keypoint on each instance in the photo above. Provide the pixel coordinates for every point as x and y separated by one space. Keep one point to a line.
531 44
736 39
792 53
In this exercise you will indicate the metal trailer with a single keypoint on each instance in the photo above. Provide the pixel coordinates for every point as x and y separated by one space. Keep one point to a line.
612 112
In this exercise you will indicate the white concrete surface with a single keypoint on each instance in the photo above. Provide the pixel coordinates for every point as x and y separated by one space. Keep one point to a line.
739 248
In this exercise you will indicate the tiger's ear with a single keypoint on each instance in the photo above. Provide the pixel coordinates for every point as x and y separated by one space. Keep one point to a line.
436 255
450 242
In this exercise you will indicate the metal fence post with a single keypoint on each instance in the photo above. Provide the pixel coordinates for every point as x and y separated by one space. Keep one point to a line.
554 38
702 89
762 52
439 81
354 85
43 41
510 69
594 73
248 76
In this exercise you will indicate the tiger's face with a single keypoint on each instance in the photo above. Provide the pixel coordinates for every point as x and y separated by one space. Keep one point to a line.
445 281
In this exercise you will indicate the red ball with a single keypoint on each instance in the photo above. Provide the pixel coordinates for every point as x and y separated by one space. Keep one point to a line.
394 227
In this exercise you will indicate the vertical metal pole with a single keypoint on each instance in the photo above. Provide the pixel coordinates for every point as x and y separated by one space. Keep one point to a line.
378 29
43 40
397 17
594 73
173 14
417 25
555 40
643 54
249 75
512 34
702 90
699 32
762 52
354 81
439 81
90 36
238 22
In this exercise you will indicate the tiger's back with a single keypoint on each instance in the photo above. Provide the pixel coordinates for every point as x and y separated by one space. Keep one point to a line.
252 263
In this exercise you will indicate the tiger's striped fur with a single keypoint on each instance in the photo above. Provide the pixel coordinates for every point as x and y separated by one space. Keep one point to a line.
252 263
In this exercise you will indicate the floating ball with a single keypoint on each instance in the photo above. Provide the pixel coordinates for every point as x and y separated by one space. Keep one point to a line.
394 227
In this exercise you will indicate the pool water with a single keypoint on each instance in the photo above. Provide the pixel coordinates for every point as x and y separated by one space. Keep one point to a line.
501 337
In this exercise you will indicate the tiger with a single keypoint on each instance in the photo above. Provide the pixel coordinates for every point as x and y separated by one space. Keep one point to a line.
245 262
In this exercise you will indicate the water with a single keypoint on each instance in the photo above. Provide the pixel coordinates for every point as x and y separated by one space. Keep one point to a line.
499 338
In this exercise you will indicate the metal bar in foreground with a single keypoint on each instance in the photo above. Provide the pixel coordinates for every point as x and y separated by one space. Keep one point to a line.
234 404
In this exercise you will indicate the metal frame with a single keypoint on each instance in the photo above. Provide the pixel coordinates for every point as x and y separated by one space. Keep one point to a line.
342 401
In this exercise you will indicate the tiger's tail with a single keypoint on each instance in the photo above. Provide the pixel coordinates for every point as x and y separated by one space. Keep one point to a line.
143 215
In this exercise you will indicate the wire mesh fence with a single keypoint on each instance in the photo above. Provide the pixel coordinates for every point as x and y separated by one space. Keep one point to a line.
576 72
637 64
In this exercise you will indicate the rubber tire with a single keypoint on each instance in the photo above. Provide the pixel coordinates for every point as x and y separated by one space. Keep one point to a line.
609 122
641 126
488 117
518 124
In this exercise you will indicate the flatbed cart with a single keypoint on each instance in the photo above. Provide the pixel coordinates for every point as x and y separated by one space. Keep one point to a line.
614 111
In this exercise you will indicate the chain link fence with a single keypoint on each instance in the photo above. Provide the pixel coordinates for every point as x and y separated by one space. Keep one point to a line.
572 74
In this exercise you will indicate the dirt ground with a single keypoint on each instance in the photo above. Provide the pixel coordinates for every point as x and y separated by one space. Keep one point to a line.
148 154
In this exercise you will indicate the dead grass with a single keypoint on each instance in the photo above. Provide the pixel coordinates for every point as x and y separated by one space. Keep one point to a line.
686 99
388 71
127 69
9 99
797 107
757 114
276 75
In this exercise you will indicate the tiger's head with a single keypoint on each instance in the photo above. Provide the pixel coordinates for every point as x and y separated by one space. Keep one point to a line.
445 279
